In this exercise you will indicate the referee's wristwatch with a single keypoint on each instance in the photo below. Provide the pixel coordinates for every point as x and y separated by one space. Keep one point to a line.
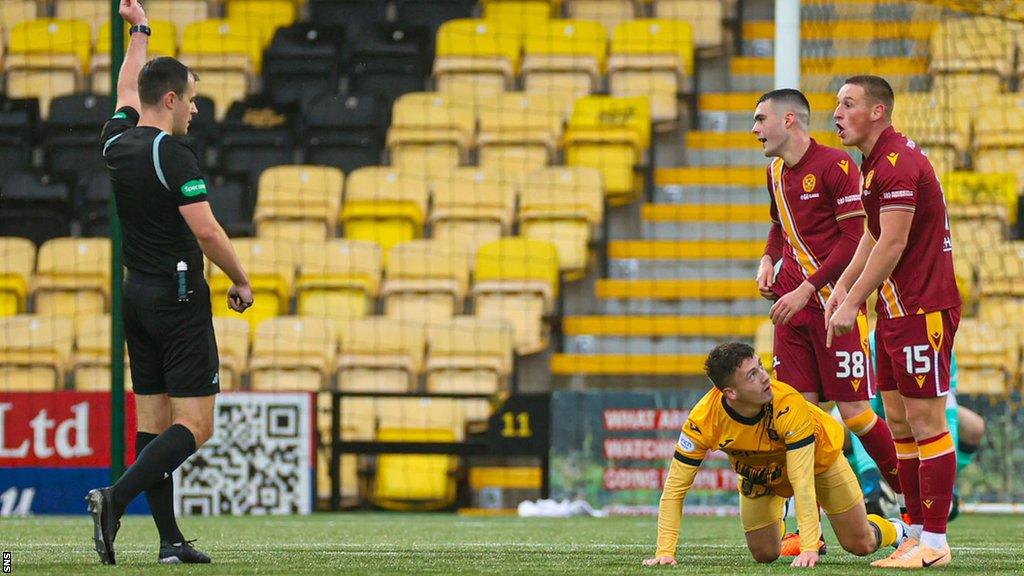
140 28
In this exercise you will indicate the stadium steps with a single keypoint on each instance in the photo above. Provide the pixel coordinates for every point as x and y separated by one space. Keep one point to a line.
756 73
737 185
734 112
704 148
727 297
845 38
704 221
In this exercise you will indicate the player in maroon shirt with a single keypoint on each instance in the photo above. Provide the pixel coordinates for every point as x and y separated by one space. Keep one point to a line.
817 222
907 256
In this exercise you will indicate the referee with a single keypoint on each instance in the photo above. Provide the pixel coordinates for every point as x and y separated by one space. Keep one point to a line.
168 226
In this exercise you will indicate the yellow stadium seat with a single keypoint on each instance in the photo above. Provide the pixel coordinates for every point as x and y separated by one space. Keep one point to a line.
293 353
266 15
610 134
565 59
934 120
520 132
990 49
14 12
999 136
517 280
50 43
91 363
705 16
45 85
233 350
380 355
563 206
415 482
426 282
973 188
474 205
298 202
72 277
179 12
483 53
225 55
1001 270
430 132
162 43
34 352
224 87
610 13
271 268
338 279
469 355
984 353
17 261
522 16
384 205
653 58
95 13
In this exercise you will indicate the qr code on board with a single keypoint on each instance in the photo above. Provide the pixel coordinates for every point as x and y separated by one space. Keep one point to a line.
257 462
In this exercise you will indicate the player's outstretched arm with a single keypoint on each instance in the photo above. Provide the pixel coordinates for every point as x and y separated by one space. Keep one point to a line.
670 511
134 58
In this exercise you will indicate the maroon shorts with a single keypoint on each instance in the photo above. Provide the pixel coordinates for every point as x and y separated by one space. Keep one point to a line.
914 352
842 372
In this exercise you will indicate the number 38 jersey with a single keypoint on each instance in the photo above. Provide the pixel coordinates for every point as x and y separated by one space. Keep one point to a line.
757 446
898 176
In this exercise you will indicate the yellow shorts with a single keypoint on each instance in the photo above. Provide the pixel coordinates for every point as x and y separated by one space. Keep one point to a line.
836 488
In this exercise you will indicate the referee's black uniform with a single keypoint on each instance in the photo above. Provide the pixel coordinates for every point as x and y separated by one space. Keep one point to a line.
168 323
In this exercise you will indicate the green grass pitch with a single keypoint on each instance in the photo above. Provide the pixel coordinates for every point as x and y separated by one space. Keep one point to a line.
379 543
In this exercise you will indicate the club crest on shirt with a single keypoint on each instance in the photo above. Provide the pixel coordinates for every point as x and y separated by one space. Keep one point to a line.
809 182
893 157
867 180
845 166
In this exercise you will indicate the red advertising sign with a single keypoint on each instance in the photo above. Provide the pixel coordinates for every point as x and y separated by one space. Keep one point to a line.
60 429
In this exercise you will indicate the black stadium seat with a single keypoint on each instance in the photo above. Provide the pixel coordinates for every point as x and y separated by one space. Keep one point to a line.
71 142
255 135
204 129
19 123
432 13
346 131
389 60
351 14
302 61
34 207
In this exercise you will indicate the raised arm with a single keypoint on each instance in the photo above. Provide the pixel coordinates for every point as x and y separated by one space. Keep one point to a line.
134 58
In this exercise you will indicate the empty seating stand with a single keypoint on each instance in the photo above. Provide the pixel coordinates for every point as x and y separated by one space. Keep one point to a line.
345 131
302 62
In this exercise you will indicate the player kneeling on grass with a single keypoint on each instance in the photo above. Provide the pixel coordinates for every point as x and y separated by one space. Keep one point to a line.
780 446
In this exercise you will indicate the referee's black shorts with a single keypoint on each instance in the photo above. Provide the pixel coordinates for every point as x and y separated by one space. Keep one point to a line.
171 345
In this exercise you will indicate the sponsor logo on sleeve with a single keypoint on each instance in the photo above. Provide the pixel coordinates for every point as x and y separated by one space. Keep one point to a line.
193 188
686 443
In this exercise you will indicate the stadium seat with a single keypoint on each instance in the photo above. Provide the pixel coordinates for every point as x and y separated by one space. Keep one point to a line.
999 139
521 16
472 205
983 356
301 62
653 58
517 280
425 282
266 15
352 14
430 133
69 142
180 13
38 225
255 136
338 279
983 196
14 12
271 267
17 261
389 61
565 59
563 206
431 14
384 205
225 55
19 120
480 55
34 352
72 277
232 204
93 12
520 132
232 349
989 49
43 85
1001 270
936 121
344 131
298 202
163 42
27 190
90 366
704 16
380 355
293 353
469 355
610 134
415 482
47 58
610 13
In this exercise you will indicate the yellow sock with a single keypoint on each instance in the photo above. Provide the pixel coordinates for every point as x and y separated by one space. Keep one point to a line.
885 529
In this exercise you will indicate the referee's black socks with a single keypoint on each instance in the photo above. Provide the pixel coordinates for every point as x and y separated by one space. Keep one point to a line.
160 497
155 463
